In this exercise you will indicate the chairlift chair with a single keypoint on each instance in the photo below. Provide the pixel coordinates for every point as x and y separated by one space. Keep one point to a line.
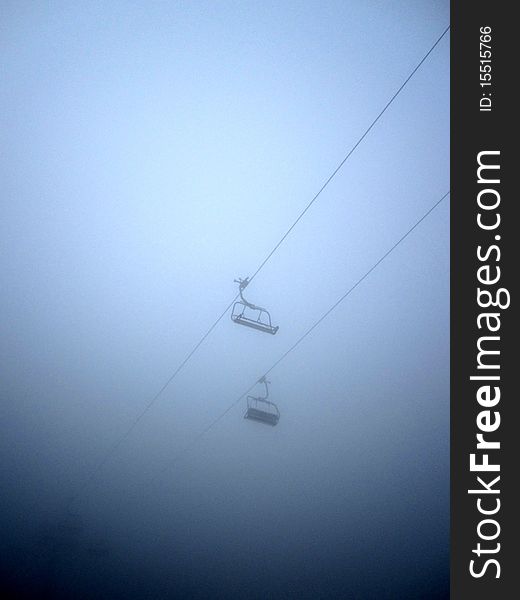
262 410
245 313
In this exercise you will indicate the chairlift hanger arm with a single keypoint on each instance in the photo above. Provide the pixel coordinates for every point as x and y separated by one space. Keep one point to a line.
265 382
242 284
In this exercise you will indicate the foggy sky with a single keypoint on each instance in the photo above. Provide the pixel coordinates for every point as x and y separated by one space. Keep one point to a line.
154 152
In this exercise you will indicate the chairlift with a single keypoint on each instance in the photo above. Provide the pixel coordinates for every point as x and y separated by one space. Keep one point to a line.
245 313
262 410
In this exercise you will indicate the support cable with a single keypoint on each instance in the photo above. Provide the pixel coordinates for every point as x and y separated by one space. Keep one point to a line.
304 335
113 449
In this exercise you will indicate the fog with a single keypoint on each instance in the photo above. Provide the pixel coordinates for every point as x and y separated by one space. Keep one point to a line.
153 153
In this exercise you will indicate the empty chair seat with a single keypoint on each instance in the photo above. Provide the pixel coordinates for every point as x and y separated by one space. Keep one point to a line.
262 410
262 416
257 318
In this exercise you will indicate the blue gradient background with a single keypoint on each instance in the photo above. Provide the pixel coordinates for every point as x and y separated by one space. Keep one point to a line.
152 152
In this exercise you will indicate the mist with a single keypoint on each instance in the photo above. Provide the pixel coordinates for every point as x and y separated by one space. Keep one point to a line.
154 153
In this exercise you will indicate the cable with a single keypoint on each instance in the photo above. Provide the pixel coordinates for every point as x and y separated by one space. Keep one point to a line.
110 452
349 154
302 337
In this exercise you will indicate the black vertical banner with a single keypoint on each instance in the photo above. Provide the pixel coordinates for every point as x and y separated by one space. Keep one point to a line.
484 250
